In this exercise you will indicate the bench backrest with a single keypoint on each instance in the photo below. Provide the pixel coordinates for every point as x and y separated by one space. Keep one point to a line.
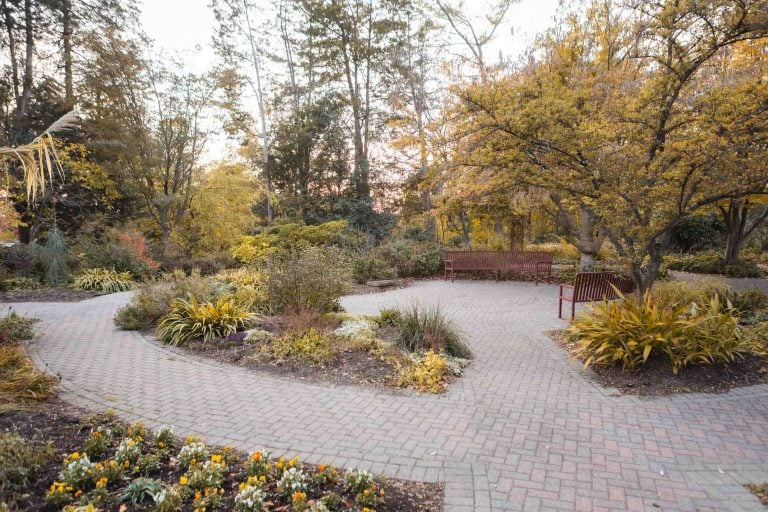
600 285
492 260
476 260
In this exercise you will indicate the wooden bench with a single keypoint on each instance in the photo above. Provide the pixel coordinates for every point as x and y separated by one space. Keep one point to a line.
498 261
593 286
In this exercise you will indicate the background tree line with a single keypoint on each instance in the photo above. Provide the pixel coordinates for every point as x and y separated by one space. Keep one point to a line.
618 125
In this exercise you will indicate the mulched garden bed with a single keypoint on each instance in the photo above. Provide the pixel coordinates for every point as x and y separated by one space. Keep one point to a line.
67 428
47 295
347 368
761 491
655 378
364 289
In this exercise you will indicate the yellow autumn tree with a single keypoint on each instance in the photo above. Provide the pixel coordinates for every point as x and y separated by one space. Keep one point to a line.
611 115
221 210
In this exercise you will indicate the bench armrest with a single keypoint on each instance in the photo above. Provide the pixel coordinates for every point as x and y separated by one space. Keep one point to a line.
564 286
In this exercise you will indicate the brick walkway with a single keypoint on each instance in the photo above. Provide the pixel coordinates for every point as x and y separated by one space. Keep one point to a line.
523 430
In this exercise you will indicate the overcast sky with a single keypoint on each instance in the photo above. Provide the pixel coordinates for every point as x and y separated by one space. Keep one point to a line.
185 27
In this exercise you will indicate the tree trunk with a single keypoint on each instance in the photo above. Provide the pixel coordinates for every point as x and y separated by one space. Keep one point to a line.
739 225
22 104
262 115
465 226
165 241
645 275
585 234
589 243
66 15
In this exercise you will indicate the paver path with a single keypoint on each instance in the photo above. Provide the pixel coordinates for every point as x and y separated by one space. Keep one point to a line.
523 430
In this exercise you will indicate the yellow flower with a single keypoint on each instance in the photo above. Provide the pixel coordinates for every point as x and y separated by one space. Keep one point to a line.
78 493
198 495
160 444
321 467
102 482
183 480
256 456
215 458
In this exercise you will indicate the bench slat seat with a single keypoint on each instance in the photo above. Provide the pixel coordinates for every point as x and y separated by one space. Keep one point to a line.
593 286
534 262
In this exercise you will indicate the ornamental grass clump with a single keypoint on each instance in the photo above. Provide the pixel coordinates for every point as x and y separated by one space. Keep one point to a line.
190 319
153 300
21 383
630 331
103 280
422 329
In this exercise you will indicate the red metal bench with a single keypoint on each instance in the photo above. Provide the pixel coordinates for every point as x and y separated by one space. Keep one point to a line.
498 261
592 286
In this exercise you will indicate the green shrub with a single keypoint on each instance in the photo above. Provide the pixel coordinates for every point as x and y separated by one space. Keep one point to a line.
153 300
410 257
311 279
629 331
15 328
423 329
190 319
712 263
698 232
21 283
248 289
207 265
368 267
389 317
21 462
750 301
312 346
684 293
103 280
287 238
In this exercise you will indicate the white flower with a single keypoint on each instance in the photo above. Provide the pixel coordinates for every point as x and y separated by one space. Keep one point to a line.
357 328
293 480
250 499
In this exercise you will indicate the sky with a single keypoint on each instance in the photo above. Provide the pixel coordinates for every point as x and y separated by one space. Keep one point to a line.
185 28
182 25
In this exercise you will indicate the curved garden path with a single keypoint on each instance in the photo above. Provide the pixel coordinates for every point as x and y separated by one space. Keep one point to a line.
523 430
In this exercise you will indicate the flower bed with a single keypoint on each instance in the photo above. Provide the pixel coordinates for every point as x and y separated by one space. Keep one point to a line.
68 459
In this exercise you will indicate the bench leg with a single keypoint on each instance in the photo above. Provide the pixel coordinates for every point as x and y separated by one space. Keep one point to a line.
453 276
573 309
537 277
497 275
560 308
